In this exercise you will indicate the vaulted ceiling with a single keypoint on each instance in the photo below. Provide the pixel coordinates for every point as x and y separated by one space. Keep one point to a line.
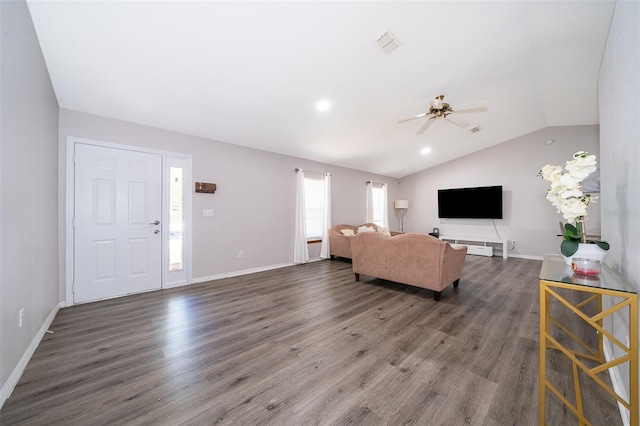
251 73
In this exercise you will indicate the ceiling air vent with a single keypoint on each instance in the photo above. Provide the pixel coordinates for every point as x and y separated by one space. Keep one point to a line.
388 42
475 129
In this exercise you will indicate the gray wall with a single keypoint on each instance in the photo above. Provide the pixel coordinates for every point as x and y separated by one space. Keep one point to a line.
528 217
28 188
253 205
620 135
620 147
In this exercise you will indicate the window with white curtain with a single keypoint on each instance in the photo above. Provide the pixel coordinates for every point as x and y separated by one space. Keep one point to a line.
377 204
313 213
314 205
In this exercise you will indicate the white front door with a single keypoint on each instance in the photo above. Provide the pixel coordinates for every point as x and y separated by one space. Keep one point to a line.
117 231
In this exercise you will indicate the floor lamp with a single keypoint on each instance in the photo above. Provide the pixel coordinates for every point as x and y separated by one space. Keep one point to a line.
401 205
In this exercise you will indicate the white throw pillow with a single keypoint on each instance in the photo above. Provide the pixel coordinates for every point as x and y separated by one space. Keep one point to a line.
385 231
347 231
366 229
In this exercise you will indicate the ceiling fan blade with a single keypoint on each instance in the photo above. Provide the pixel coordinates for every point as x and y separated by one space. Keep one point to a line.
458 121
425 126
404 120
472 107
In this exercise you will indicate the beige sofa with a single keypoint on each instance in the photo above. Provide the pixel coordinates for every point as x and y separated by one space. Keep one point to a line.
416 259
339 245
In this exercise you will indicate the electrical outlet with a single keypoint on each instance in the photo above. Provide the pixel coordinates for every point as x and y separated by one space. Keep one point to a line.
513 244
21 319
239 254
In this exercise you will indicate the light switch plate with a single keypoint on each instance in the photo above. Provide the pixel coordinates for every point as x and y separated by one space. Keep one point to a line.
207 212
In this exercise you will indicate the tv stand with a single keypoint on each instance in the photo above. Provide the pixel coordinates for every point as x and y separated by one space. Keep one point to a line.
483 240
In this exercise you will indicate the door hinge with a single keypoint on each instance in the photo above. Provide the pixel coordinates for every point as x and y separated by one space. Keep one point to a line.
73 223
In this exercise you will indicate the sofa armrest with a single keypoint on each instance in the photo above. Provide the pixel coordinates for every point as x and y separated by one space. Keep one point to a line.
339 244
452 264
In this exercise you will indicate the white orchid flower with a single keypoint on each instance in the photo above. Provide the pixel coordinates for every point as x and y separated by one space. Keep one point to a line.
569 193
585 157
551 173
572 209
570 181
565 191
578 170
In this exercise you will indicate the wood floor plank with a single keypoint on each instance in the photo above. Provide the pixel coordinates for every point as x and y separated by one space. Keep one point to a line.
466 403
300 345
519 376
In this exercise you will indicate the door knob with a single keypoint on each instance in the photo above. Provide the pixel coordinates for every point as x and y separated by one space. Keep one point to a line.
157 231
157 222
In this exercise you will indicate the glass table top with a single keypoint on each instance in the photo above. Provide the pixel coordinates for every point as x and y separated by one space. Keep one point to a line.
556 270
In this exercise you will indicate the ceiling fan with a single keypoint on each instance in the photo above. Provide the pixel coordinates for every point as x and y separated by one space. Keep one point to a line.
438 108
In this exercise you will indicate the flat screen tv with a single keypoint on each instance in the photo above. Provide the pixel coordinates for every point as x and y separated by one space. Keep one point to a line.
483 202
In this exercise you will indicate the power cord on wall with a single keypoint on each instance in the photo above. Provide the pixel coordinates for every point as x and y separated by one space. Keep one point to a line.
513 242
494 227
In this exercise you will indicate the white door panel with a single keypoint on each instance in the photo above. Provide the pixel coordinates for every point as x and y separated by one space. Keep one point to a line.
117 202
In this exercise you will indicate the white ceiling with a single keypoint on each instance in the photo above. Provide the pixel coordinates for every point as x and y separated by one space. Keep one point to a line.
250 73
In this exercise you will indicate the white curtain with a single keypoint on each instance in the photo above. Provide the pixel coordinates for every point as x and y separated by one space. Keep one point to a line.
383 200
385 207
369 202
300 248
326 217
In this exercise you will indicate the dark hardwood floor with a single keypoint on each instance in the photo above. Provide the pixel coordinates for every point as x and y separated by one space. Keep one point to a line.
302 345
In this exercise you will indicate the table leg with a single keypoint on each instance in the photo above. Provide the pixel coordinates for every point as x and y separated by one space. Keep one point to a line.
544 324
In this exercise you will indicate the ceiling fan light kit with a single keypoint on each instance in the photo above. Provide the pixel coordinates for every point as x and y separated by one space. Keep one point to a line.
440 109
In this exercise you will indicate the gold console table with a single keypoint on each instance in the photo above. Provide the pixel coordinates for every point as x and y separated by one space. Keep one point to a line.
555 277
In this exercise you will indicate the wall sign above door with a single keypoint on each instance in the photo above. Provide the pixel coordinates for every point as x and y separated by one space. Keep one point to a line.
205 187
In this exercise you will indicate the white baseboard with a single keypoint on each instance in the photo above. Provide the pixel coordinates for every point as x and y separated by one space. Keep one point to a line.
13 379
618 384
175 284
526 256
240 272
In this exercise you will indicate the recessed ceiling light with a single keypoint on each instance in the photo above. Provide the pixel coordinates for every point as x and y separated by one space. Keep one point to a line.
323 105
425 151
